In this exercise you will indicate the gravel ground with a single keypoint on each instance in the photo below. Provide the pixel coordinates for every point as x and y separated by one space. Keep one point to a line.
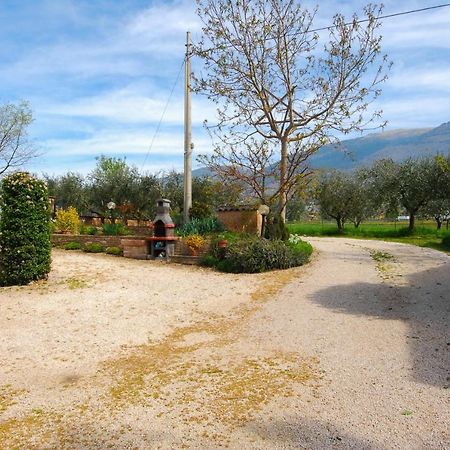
351 351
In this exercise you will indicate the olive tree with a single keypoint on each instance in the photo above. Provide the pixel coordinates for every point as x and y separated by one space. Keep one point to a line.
412 183
69 190
276 79
112 180
345 197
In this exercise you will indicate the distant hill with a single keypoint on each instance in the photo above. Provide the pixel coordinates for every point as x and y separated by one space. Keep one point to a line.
396 144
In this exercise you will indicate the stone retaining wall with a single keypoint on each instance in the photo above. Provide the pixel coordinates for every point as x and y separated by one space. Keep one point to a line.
106 241
135 247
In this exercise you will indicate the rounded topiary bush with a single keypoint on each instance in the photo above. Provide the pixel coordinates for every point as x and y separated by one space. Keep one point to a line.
116 251
25 246
72 246
93 247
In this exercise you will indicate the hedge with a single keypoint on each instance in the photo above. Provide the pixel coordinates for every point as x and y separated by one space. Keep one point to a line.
25 247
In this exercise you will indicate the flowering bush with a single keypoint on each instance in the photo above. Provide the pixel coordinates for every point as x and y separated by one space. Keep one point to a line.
194 241
295 239
24 230
67 220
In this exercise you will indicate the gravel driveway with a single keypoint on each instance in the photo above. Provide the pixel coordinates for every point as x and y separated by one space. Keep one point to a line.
351 351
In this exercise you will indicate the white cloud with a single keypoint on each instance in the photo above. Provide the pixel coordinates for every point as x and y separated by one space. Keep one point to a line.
131 106
422 77
127 142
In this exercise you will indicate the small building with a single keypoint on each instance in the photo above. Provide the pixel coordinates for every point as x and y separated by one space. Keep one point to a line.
243 218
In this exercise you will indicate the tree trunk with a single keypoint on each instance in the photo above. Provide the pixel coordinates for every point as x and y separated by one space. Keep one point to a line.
412 220
283 169
340 224
438 222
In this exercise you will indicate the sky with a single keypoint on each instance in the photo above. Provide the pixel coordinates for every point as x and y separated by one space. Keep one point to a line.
98 76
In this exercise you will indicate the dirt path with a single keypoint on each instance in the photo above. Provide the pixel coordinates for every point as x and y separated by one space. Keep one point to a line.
351 351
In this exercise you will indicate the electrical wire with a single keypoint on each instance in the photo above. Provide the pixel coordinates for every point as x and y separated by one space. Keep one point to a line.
386 16
163 113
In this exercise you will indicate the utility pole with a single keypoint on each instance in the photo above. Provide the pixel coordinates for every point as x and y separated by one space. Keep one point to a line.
187 133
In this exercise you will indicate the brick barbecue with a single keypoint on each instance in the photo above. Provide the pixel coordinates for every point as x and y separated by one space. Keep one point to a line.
162 243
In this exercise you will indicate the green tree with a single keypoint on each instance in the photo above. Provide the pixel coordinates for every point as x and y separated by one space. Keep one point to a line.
272 79
345 197
69 190
412 183
112 180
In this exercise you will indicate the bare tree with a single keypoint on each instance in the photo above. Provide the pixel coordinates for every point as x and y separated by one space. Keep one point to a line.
255 165
268 73
15 148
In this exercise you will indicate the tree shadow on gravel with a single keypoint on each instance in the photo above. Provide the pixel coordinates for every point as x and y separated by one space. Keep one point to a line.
308 434
423 302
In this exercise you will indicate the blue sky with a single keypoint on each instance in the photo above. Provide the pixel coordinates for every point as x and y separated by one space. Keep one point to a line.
98 73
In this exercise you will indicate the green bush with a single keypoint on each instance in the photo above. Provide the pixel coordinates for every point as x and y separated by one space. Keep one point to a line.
446 241
25 246
88 229
72 246
93 247
252 255
200 226
200 210
116 251
209 261
115 229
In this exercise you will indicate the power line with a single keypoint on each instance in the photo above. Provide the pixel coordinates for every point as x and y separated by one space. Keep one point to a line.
164 112
386 16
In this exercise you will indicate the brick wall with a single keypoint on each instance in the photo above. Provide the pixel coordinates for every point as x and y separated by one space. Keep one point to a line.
106 241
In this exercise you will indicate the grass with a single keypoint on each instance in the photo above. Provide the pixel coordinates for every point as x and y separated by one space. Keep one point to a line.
425 235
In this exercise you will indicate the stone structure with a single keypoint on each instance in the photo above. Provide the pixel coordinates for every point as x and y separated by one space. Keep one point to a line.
162 243
243 219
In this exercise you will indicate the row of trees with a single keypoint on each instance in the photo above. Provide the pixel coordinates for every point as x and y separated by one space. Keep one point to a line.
134 193
415 186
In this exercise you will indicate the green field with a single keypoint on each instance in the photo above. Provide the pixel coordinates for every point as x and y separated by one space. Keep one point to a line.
425 235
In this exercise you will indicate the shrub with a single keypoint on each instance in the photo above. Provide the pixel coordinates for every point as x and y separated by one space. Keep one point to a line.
93 247
209 261
251 255
88 229
116 251
200 226
67 220
72 246
446 241
301 250
25 247
194 241
115 229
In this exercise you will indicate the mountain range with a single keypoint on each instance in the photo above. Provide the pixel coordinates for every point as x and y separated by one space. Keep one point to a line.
396 144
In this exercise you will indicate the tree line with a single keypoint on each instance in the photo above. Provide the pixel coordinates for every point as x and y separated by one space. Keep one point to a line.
415 186
134 193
